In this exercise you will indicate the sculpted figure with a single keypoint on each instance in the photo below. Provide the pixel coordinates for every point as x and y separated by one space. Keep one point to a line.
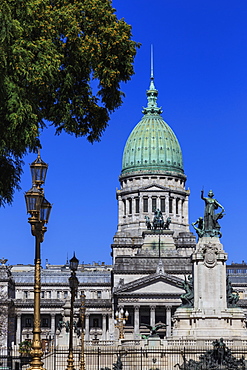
167 224
231 296
154 329
209 225
199 226
188 296
158 221
148 223
211 205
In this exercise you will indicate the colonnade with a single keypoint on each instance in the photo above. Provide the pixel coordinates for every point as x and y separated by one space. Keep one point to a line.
107 323
152 313
169 204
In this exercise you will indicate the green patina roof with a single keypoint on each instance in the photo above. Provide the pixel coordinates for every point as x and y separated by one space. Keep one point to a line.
152 145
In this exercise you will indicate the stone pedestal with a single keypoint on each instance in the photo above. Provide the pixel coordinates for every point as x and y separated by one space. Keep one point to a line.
209 317
154 341
154 238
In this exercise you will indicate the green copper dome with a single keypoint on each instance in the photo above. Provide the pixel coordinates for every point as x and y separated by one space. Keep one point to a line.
152 146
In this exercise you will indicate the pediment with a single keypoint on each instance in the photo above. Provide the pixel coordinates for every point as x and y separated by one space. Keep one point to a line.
154 187
158 283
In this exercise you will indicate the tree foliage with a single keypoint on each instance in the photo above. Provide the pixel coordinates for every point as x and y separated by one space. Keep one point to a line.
50 53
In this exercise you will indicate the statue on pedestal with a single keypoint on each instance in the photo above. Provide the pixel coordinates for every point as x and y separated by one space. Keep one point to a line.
158 221
209 225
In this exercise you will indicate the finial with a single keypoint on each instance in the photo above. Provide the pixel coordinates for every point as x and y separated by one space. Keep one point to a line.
152 93
152 87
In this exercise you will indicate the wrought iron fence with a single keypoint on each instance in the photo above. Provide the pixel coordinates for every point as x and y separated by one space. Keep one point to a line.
132 358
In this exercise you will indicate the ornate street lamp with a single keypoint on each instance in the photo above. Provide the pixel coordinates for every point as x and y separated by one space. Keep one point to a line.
82 316
73 283
120 321
39 209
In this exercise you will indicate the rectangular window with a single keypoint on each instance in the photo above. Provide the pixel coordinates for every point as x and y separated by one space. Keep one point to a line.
49 294
42 294
99 294
45 322
163 204
28 322
154 204
137 205
58 295
170 204
177 201
145 204
95 323
130 206
26 294
65 294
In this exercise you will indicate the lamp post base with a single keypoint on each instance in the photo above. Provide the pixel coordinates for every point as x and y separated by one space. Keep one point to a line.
70 361
36 363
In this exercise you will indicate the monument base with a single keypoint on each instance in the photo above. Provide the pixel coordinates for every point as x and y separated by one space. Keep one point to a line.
154 341
194 324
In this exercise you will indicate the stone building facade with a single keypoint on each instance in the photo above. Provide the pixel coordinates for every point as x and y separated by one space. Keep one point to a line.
150 263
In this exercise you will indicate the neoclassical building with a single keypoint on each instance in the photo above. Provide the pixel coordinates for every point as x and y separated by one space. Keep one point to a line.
149 263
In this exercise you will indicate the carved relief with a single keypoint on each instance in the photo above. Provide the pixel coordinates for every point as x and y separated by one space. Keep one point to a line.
210 252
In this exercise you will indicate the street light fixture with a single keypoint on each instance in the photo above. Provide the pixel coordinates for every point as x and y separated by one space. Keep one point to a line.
73 283
120 321
39 209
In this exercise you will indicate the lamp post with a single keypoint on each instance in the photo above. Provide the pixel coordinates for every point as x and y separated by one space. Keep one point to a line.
39 209
82 316
73 283
120 321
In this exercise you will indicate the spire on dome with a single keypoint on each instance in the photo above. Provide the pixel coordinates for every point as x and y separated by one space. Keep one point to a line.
152 93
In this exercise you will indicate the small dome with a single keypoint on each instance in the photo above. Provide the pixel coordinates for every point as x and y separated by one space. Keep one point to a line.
152 146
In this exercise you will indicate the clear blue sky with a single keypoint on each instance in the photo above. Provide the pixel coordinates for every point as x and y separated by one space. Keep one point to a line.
200 58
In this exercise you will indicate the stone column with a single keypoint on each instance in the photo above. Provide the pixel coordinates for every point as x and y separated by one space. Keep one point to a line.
87 327
18 329
111 327
174 205
141 205
104 326
136 322
167 204
180 209
53 324
168 321
152 315
120 209
185 210
150 205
